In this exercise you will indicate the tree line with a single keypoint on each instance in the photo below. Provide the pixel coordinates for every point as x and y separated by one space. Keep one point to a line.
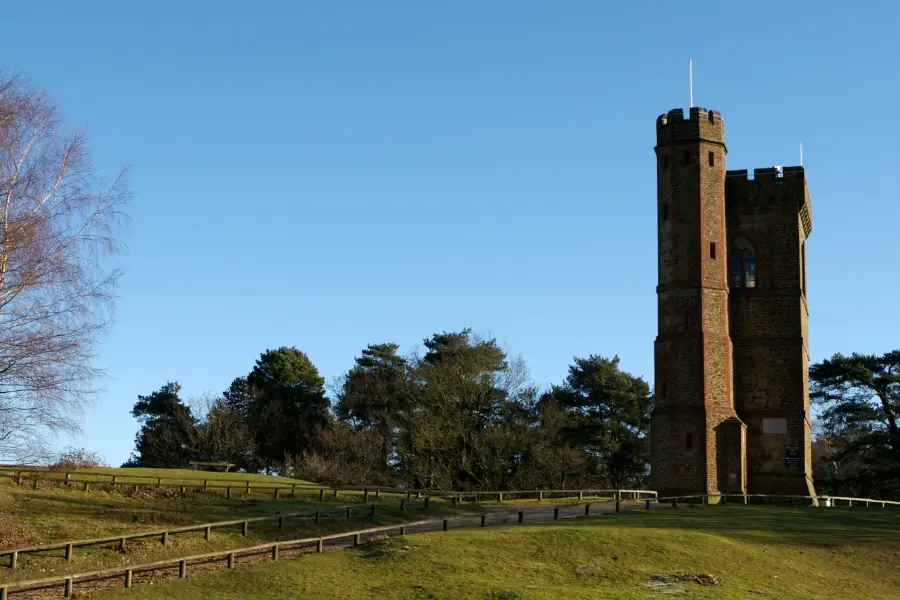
462 414
458 414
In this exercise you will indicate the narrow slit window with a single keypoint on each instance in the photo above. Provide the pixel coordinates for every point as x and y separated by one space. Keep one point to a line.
712 159
665 212
712 250
689 441
687 157
664 163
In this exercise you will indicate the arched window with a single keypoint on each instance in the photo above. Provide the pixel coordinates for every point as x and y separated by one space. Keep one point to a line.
743 265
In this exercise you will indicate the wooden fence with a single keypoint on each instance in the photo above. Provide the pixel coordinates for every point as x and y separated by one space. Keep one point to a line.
77 478
273 549
771 499
121 540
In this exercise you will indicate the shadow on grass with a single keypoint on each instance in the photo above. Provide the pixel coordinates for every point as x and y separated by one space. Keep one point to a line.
53 562
801 526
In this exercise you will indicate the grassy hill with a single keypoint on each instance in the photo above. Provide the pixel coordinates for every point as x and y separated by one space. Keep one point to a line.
169 476
725 553
54 513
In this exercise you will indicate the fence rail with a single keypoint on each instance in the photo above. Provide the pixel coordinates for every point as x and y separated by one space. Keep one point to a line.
20 476
163 534
827 501
273 549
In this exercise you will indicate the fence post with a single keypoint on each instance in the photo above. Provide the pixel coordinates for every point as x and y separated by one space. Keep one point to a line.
87 486
426 502
587 510
159 482
446 524
373 509
36 482
356 539
248 488
618 497
403 530
122 544
483 520
68 552
320 545
500 497
377 493
183 490
281 522
674 502
521 516
205 484
4 593
182 569
276 492
165 539
244 526
365 495
349 512
231 560
228 493
403 506
14 559
540 496
453 500
322 495
207 533
275 552
128 575
293 490
555 513
648 504
70 585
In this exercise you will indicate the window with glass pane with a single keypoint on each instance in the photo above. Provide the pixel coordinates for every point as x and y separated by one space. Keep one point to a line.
742 269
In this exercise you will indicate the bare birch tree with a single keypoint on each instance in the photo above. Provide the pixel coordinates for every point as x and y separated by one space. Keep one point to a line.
58 219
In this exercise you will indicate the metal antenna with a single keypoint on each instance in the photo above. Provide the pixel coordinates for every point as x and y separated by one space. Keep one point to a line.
691 78
801 154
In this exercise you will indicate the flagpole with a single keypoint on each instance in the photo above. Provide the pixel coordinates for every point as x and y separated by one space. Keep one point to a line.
691 79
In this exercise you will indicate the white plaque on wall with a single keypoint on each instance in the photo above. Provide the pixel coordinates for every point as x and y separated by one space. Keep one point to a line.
774 425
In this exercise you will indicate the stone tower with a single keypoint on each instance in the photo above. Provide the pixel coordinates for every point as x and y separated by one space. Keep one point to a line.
731 355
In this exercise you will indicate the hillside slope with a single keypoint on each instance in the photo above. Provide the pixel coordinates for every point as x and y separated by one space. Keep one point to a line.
713 552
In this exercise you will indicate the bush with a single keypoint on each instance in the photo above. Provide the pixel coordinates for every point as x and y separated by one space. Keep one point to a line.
78 458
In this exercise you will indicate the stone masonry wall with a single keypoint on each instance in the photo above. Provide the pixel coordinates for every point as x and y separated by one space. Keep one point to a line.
769 330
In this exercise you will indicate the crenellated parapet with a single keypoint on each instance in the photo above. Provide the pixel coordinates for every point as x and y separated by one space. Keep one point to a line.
769 191
704 125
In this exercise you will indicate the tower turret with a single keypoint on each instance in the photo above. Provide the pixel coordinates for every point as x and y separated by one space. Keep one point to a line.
697 441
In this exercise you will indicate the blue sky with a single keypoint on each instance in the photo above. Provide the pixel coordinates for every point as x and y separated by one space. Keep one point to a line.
336 173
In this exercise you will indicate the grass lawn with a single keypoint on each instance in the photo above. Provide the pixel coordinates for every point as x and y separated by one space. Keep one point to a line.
56 514
721 552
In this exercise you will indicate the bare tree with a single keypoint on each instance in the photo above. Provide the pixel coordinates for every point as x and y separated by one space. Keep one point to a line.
58 220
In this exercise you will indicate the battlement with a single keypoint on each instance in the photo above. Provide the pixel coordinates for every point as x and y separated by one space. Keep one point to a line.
769 191
701 125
